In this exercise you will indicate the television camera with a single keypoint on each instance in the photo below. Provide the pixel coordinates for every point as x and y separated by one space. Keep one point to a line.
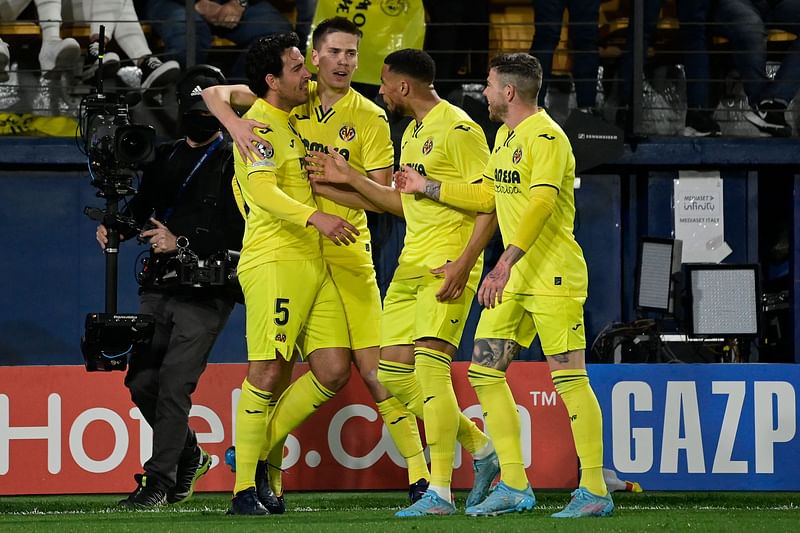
115 149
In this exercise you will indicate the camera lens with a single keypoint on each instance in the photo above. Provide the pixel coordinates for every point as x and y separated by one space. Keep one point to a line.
134 143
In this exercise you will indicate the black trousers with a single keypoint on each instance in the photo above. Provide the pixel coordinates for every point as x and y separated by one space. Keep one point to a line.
162 380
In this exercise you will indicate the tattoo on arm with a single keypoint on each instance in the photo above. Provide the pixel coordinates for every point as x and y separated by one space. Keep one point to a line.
495 353
432 189
511 255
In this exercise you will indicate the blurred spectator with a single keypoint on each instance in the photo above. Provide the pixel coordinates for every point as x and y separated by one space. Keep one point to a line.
56 55
122 24
240 21
583 20
745 23
453 33
693 16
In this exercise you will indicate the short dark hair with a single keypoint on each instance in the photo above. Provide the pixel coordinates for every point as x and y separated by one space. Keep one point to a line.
265 57
414 63
522 70
333 25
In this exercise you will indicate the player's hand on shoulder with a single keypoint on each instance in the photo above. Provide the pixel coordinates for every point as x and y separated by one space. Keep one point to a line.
243 131
337 229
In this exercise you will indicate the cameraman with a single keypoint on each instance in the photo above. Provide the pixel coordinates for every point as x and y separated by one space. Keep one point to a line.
185 203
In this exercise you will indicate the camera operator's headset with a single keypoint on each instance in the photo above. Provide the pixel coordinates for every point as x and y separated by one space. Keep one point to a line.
186 82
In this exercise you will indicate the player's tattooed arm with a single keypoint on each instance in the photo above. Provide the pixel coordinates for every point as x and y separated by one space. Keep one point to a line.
495 353
491 290
432 189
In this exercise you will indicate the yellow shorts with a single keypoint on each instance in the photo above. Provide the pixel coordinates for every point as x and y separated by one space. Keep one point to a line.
358 290
557 319
290 303
411 312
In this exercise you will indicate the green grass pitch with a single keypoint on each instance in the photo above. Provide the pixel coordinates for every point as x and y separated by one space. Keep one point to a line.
373 512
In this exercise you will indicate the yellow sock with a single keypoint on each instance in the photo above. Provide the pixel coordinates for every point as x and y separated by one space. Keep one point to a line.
301 400
441 411
264 450
252 412
402 426
502 420
275 460
586 423
401 380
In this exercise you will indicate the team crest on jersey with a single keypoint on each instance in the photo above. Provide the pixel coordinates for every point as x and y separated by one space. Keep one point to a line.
517 157
347 132
394 8
428 146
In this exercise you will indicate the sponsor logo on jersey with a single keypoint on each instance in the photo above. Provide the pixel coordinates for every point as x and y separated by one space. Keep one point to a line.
517 157
347 132
428 146
280 337
506 176
319 147
264 131
419 167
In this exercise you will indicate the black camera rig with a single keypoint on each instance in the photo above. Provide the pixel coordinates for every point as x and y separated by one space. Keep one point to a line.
115 149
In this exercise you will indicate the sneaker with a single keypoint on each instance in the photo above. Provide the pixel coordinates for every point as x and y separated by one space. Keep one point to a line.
148 494
5 59
57 56
92 60
417 489
486 470
430 504
246 502
273 503
157 74
504 499
700 123
189 471
769 117
584 503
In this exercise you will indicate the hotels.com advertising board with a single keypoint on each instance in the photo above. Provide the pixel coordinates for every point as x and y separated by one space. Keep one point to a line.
63 430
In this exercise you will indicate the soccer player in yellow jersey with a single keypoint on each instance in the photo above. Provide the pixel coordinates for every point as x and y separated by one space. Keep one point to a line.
423 320
538 286
289 294
337 118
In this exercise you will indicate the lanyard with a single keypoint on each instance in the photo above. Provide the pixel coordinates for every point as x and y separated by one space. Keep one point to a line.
210 150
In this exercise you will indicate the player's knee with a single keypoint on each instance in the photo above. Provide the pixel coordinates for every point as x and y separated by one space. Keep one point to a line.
334 376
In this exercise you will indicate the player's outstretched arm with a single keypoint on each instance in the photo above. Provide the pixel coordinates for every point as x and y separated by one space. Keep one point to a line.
346 197
477 196
334 169
456 273
221 101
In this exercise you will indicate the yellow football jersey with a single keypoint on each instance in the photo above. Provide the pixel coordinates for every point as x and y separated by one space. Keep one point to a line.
537 153
447 146
359 130
277 194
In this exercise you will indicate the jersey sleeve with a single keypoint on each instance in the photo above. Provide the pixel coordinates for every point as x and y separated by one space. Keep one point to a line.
468 150
470 196
377 149
263 189
550 151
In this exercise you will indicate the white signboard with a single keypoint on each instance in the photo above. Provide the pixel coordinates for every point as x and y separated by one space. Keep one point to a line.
699 221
